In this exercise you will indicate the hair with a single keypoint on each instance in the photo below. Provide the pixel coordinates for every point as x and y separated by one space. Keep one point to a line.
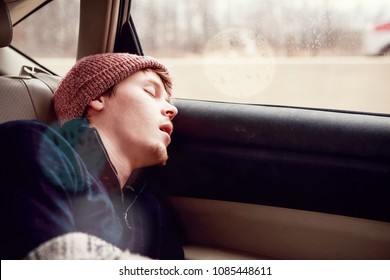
165 78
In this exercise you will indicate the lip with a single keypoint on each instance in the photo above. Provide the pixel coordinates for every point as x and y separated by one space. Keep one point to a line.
167 128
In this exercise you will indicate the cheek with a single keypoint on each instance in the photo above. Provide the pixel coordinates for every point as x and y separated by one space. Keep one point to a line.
137 109
139 119
125 108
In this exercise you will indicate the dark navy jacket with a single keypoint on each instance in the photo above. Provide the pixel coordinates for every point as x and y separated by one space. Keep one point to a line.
55 181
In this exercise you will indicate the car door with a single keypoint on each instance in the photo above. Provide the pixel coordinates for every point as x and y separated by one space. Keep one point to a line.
279 151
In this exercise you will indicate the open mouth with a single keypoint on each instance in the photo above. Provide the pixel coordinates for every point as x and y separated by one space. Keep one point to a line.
167 128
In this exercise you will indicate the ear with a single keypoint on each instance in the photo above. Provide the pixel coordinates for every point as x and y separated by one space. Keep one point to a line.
97 104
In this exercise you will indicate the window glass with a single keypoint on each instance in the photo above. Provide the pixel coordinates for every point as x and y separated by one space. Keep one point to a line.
55 47
308 53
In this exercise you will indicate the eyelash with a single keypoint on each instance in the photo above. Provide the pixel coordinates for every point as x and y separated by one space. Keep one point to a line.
151 92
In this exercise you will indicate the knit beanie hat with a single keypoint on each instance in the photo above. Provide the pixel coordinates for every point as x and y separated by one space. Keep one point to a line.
92 76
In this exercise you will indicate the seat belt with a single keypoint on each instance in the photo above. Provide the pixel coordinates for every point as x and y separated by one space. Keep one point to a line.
48 79
128 40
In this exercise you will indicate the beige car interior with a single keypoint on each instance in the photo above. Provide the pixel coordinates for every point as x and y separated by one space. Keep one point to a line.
261 232
246 231
24 96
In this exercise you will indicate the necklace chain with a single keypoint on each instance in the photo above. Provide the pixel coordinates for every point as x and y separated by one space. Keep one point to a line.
125 214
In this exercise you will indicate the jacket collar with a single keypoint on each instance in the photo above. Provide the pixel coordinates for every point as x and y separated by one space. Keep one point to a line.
88 144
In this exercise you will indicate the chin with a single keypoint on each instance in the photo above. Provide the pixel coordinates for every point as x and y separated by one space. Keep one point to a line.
163 160
161 156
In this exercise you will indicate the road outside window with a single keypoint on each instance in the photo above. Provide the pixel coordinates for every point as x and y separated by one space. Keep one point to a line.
324 54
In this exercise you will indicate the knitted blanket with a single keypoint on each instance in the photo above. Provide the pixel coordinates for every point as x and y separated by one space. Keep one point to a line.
80 246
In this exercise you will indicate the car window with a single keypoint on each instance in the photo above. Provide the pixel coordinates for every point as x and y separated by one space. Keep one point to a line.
54 47
320 53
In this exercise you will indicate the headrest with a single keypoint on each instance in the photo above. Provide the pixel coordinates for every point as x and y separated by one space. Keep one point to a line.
5 25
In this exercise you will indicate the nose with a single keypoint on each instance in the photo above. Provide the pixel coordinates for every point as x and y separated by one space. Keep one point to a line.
170 110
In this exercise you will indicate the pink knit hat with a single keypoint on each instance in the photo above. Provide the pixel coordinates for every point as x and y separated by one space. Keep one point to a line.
92 76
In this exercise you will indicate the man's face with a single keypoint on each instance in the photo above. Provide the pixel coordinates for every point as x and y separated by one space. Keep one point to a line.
138 119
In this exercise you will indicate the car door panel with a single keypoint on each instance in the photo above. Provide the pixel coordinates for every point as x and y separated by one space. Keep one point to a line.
217 229
326 164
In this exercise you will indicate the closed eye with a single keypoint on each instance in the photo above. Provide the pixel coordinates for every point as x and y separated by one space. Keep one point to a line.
150 91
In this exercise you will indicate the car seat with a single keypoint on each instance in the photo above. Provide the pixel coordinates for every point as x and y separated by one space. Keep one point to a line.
29 95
